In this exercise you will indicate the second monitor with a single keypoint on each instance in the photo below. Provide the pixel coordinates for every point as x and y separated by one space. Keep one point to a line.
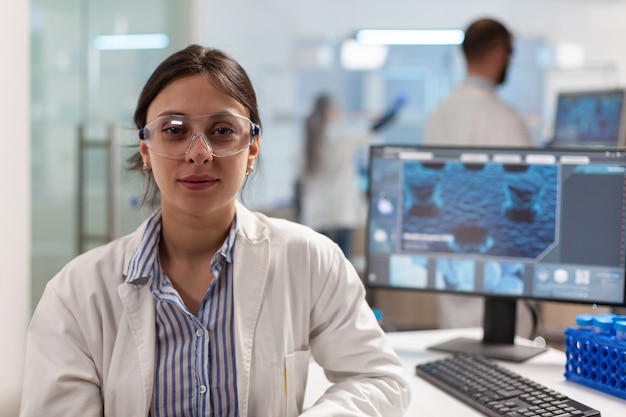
595 118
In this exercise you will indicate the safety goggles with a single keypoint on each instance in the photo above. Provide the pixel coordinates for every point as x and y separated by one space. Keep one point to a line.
223 134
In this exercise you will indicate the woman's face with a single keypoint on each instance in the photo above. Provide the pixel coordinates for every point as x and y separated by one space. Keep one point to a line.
200 184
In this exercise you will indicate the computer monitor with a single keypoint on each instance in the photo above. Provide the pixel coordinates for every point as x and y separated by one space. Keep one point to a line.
590 118
502 223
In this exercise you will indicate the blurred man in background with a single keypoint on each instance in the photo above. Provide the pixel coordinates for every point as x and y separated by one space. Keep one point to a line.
473 114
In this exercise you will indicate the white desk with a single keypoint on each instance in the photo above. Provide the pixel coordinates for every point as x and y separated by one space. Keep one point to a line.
426 400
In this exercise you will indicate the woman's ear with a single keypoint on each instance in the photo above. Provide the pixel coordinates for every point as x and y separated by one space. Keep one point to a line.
143 151
254 149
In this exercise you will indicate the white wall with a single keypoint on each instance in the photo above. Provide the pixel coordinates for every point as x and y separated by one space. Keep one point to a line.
15 209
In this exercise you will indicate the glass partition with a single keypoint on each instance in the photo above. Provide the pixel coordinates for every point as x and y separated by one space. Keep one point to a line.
82 194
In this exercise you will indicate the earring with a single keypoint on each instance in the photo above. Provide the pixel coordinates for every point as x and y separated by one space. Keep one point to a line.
145 168
250 170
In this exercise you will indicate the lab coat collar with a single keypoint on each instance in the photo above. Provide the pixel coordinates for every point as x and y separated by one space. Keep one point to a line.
479 81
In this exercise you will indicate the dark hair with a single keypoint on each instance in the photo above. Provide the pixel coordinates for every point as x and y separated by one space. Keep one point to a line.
482 36
316 123
225 73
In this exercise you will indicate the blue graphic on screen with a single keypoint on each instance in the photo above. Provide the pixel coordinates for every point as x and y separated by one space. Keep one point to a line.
408 271
504 278
455 274
589 118
487 209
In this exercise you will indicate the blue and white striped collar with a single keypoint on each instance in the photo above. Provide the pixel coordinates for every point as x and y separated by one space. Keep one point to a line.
142 262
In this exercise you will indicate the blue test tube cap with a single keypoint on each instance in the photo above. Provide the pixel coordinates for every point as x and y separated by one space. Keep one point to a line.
603 323
584 320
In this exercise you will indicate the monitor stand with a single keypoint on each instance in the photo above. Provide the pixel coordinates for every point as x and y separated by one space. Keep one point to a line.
499 333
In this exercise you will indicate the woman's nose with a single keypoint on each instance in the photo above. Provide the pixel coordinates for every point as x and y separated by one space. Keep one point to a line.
199 149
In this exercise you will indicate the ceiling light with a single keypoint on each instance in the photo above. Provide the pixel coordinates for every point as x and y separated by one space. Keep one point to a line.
125 42
410 37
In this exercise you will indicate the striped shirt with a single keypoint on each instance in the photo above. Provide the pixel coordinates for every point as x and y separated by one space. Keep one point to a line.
195 371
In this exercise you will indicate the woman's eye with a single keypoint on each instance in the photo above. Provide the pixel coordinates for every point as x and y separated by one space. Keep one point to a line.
223 131
173 130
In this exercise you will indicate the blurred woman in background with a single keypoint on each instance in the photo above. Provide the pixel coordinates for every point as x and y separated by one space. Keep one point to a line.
330 198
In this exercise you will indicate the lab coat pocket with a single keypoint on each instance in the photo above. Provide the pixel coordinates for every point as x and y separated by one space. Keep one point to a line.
296 371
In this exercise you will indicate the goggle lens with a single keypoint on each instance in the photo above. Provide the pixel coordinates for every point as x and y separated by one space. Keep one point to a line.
223 134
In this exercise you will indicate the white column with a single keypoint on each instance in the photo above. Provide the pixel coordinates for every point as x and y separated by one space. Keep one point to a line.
15 177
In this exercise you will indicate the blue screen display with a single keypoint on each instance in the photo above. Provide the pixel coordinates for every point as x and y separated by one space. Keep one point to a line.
589 118
524 223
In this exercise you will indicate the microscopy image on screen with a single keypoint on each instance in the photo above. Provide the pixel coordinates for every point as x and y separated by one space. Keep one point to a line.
514 223
455 275
488 209
408 271
505 278
589 118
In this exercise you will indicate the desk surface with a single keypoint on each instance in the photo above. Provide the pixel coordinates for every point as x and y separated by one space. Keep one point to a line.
427 400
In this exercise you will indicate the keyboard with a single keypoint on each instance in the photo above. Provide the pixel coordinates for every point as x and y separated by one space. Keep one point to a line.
496 391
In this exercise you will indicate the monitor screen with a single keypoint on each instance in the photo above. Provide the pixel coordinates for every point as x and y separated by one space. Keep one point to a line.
590 118
507 224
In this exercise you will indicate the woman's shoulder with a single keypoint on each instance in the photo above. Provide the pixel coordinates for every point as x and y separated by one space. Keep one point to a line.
258 225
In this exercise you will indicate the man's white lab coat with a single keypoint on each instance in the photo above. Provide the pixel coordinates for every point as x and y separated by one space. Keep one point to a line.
473 115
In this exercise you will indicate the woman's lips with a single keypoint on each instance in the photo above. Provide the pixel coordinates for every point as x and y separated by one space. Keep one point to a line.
198 182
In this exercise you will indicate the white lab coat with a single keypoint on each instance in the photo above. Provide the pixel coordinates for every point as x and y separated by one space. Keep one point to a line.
473 115
331 198
91 341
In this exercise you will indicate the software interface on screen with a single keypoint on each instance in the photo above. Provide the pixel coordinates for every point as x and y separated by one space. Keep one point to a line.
538 224
590 118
